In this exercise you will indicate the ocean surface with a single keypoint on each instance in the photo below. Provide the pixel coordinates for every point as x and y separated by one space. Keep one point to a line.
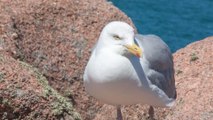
177 22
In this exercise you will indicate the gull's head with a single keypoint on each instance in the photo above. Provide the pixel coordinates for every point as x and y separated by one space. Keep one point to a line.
118 37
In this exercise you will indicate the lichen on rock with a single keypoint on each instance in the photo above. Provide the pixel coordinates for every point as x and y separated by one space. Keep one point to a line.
28 95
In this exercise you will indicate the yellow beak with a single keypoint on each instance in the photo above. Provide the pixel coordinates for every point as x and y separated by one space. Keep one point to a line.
134 49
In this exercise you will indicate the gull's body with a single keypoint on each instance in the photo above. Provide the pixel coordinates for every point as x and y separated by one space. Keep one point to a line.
115 76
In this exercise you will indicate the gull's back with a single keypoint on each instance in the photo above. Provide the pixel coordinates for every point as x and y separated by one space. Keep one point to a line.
159 68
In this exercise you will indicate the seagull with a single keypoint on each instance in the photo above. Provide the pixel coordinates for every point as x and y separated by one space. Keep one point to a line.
127 68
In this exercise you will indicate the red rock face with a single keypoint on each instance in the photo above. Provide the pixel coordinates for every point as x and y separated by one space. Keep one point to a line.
56 37
25 94
194 81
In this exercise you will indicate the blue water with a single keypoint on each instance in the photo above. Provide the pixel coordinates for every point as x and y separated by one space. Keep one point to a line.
177 22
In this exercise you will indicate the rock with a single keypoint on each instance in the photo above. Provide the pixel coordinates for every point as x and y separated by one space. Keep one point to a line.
56 37
194 81
25 94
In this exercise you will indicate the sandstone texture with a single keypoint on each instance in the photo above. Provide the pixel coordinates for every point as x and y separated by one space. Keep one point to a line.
45 45
194 81
25 94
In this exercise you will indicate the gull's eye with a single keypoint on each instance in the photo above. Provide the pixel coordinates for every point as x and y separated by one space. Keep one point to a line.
116 37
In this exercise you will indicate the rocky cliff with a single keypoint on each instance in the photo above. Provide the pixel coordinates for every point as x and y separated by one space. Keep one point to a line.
44 47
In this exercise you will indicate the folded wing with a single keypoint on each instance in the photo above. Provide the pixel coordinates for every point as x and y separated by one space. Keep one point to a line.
158 63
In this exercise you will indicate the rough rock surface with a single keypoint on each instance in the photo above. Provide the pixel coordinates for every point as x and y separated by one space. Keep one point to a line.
194 81
56 37
25 94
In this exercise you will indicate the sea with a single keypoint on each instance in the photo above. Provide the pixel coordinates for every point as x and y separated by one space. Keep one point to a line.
177 22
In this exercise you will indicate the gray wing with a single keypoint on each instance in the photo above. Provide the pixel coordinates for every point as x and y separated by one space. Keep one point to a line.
158 66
